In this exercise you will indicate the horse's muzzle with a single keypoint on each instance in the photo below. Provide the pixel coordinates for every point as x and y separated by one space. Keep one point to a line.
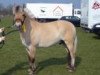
17 25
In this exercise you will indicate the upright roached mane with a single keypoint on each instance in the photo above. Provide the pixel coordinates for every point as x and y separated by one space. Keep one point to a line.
34 34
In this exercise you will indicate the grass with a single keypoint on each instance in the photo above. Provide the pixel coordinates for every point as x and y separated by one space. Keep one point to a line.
51 60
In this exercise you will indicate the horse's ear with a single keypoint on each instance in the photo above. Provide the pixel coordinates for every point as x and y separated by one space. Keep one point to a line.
17 9
29 13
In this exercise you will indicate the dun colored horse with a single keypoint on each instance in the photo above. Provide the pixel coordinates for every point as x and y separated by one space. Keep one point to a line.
35 34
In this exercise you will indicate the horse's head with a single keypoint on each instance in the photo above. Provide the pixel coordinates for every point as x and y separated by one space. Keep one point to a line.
19 16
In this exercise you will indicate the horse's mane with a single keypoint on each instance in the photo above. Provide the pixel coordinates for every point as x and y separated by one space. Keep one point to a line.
29 13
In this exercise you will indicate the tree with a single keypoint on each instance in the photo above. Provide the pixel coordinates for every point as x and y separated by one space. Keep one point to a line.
5 10
1 7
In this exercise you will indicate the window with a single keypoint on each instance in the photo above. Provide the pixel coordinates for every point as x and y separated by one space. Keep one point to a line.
78 12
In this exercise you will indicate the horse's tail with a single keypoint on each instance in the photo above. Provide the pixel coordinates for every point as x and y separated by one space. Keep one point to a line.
75 43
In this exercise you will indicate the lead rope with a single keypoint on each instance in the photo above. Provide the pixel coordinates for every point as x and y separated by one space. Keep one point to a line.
3 34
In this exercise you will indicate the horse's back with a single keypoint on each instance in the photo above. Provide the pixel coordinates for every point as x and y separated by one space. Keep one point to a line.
59 23
60 27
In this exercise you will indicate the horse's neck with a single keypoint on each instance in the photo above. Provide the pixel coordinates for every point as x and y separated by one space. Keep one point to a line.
30 19
30 25
26 29
30 22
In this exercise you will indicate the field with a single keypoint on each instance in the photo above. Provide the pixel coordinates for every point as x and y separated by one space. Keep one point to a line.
52 60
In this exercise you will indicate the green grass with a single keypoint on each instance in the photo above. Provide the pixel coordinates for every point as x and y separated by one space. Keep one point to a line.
51 60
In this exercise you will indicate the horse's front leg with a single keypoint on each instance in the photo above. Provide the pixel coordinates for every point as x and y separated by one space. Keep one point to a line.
31 57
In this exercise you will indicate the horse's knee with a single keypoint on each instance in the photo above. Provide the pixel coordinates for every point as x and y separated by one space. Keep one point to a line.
31 59
31 52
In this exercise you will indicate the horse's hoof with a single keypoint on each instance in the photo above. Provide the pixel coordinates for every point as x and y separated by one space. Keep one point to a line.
71 69
31 72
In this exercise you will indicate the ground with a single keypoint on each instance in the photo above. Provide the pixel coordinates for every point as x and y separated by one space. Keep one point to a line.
51 60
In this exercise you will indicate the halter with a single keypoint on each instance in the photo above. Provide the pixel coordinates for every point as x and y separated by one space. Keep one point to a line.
22 27
22 22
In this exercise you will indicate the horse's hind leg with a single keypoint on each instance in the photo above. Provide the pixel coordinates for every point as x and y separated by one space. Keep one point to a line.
31 57
70 44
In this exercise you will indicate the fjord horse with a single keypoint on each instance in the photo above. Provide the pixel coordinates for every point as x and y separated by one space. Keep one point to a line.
35 34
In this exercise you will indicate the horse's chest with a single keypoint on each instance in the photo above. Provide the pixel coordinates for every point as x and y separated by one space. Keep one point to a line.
24 42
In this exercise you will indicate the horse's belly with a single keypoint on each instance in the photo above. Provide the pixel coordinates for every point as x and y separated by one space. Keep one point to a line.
48 37
47 43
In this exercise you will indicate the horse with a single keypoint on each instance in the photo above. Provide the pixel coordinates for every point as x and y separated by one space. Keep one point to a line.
35 34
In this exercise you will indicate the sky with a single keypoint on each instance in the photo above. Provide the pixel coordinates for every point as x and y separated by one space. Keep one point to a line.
5 3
